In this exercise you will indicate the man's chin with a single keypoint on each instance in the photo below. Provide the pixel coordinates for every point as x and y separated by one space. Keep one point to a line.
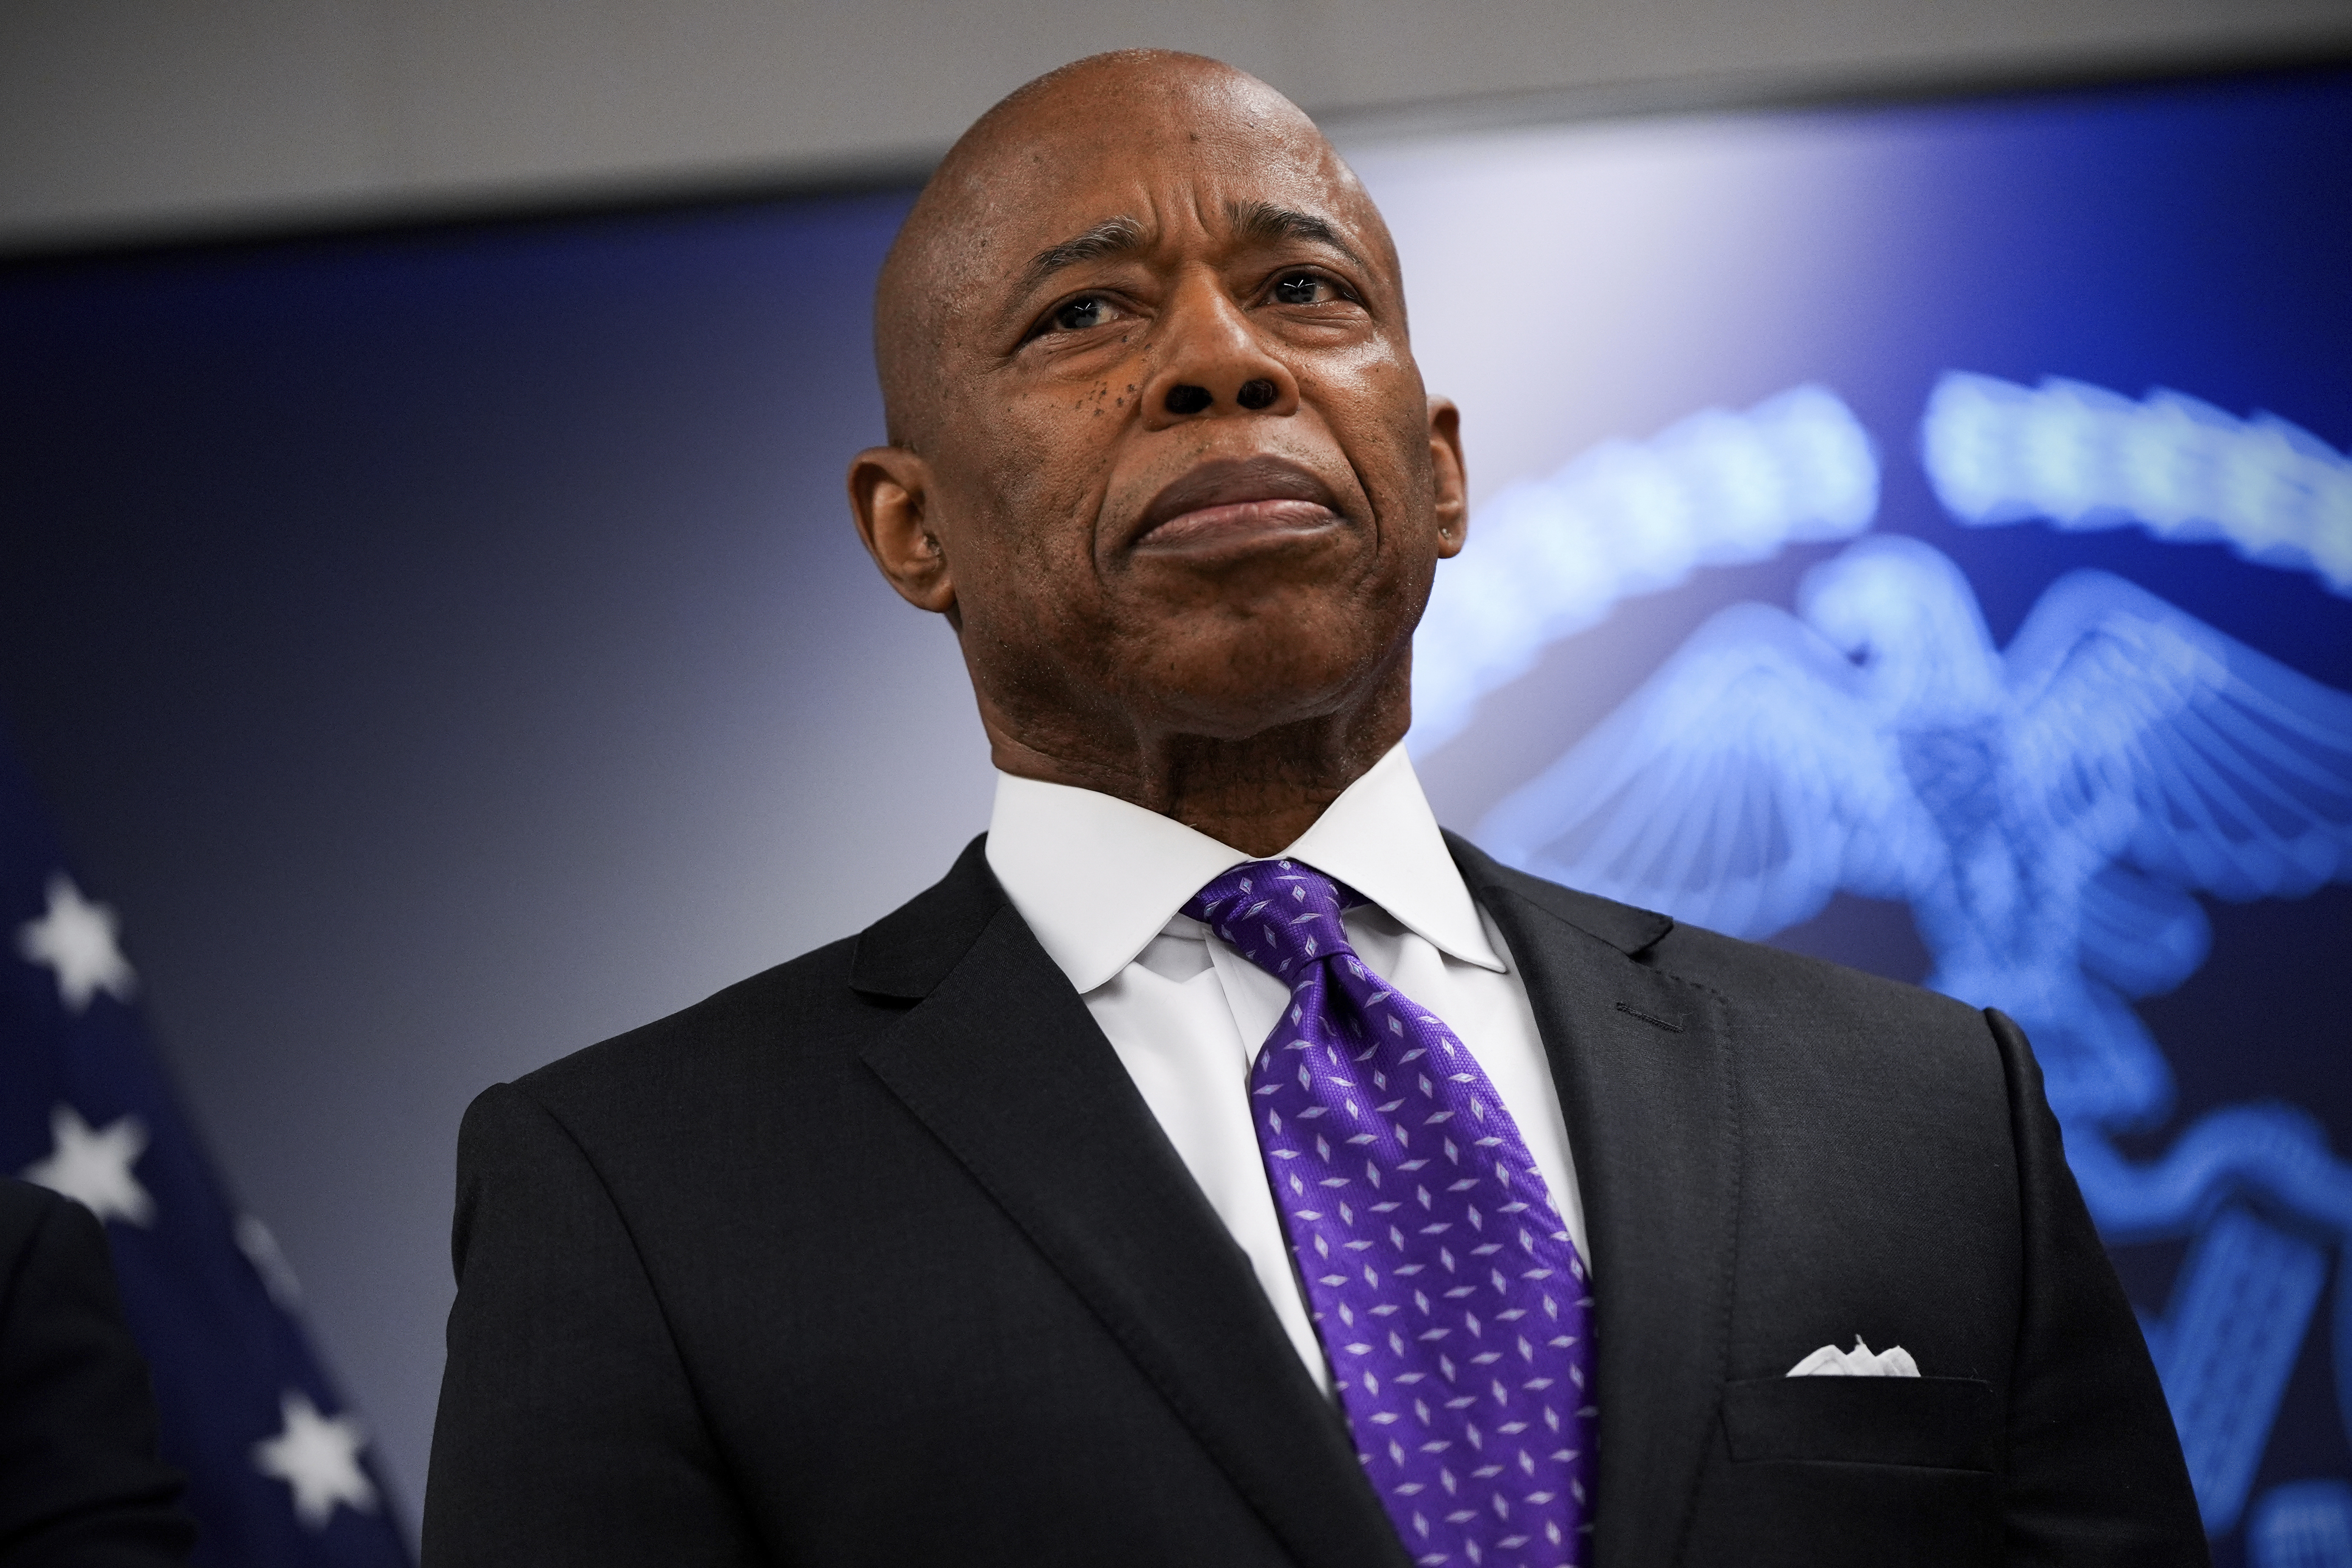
1246 689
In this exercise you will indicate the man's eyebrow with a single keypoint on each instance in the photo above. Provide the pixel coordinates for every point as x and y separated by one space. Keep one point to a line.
1108 237
1264 221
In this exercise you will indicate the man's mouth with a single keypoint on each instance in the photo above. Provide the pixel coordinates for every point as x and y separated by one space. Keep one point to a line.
1233 501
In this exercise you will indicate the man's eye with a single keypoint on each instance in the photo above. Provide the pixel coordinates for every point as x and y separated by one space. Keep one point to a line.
1079 314
1304 288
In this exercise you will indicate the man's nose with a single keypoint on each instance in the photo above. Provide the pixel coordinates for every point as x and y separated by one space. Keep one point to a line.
1215 363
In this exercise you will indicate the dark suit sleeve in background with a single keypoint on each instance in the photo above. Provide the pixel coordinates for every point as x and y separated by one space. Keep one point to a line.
568 1432
81 1485
2096 1474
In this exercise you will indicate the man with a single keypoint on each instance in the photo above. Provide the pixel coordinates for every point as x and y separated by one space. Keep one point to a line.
80 1486
1220 1165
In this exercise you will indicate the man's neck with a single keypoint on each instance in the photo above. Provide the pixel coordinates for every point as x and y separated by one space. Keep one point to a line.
1257 794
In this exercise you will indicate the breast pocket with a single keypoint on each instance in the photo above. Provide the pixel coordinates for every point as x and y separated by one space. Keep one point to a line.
1938 1423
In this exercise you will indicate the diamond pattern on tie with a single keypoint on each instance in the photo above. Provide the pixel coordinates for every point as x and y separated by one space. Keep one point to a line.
1450 1303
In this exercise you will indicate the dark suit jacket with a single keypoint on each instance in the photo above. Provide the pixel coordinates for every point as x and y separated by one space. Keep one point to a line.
879 1258
80 1486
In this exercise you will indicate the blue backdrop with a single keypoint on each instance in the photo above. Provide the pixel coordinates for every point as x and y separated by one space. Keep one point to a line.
1916 533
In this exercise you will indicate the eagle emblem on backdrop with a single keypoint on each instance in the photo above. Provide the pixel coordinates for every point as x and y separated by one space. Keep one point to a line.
2050 812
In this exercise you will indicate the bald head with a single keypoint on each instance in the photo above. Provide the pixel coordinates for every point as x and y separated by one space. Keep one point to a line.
968 234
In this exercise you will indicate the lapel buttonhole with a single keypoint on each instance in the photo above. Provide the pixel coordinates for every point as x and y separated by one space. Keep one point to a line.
1666 1024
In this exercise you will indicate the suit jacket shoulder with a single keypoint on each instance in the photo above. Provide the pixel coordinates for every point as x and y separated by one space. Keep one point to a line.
824 1005
803 1008
1776 987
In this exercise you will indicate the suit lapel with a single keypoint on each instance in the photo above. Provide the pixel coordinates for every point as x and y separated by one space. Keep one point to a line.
1001 1060
1647 1085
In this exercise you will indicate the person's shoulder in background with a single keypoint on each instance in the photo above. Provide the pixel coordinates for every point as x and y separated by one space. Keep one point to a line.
80 1483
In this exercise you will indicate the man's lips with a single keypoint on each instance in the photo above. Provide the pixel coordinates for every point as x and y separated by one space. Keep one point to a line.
1234 500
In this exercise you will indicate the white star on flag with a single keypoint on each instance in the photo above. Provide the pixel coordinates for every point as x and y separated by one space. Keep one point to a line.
319 1456
77 939
93 1166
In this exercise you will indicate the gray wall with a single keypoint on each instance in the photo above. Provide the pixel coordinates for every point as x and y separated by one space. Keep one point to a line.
142 117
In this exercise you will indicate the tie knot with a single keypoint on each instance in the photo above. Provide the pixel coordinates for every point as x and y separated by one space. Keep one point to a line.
1278 914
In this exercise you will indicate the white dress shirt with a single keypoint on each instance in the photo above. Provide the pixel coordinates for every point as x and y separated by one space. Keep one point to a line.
1101 883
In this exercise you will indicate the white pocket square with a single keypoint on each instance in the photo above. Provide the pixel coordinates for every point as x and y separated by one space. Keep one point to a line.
1860 1362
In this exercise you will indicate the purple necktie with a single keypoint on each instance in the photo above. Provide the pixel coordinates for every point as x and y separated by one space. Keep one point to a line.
1450 1303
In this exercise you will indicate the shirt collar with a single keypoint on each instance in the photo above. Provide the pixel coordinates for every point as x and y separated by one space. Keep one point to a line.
1097 878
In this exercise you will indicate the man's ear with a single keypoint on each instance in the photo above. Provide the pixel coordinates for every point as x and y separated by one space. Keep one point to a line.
889 494
1452 501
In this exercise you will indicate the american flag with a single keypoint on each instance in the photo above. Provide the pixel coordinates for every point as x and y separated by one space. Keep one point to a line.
278 1470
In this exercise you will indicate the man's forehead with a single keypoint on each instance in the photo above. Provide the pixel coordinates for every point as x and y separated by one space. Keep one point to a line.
1145 225
1209 178
1254 220
1139 202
